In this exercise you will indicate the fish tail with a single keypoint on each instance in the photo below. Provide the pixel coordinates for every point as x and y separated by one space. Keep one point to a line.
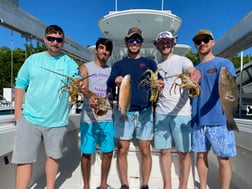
123 117
231 125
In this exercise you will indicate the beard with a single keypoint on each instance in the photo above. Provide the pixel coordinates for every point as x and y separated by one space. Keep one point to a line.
204 50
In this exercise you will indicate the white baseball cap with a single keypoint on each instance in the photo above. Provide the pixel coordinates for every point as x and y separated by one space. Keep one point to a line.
165 34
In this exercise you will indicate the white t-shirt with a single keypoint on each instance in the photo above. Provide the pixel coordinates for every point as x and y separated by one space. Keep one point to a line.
172 102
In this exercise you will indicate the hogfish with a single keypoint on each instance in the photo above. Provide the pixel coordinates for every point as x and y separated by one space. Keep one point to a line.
228 92
124 96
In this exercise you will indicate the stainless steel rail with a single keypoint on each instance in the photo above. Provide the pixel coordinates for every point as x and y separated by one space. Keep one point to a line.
30 27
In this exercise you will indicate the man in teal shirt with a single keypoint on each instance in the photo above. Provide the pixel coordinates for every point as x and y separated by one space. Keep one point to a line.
41 109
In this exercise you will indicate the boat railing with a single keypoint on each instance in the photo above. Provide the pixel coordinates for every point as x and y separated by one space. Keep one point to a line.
6 121
243 137
7 133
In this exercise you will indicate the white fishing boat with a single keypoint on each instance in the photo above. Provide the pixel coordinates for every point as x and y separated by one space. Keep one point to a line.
115 25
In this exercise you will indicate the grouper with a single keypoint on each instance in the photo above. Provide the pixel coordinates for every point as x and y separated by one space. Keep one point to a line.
229 95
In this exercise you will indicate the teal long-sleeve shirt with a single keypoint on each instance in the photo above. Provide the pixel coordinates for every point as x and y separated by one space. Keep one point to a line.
45 104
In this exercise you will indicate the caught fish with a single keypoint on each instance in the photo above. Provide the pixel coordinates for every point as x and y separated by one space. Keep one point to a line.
228 92
124 96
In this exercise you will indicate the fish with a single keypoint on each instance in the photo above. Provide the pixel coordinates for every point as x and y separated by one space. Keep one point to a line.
124 97
229 95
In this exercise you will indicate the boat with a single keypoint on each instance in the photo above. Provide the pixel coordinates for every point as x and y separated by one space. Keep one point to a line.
6 107
7 110
69 175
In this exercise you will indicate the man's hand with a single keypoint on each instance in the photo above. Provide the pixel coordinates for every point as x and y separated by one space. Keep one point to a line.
160 84
195 76
118 80
82 87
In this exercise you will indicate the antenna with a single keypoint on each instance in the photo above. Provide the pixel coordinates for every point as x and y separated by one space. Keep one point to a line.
115 5
162 7
11 66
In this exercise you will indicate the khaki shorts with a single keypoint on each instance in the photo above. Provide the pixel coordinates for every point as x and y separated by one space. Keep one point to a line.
29 138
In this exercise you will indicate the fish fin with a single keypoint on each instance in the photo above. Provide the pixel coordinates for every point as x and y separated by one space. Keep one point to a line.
222 110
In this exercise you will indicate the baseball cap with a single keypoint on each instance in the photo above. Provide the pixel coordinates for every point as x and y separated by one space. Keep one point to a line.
133 31
163 35
203 32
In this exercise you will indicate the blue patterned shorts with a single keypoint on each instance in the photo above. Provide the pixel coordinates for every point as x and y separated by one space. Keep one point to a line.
216 137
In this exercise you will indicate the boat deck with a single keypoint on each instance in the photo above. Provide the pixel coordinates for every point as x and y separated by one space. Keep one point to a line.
69 175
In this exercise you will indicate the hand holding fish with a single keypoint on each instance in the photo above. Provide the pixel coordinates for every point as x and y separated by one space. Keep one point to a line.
118 80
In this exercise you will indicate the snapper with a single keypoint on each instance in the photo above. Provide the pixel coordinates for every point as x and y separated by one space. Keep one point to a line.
124 96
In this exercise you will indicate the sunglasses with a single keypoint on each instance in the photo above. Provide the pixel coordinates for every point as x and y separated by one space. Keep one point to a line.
137 39
205 40
52 39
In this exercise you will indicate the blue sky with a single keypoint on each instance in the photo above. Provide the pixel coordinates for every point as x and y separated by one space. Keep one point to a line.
79 18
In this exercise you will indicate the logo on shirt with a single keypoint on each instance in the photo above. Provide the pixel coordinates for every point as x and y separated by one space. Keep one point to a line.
212 70
142 65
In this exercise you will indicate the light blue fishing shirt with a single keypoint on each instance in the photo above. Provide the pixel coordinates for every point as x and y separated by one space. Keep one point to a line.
45 104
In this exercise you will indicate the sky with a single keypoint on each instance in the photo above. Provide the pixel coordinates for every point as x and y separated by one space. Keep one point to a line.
79 18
